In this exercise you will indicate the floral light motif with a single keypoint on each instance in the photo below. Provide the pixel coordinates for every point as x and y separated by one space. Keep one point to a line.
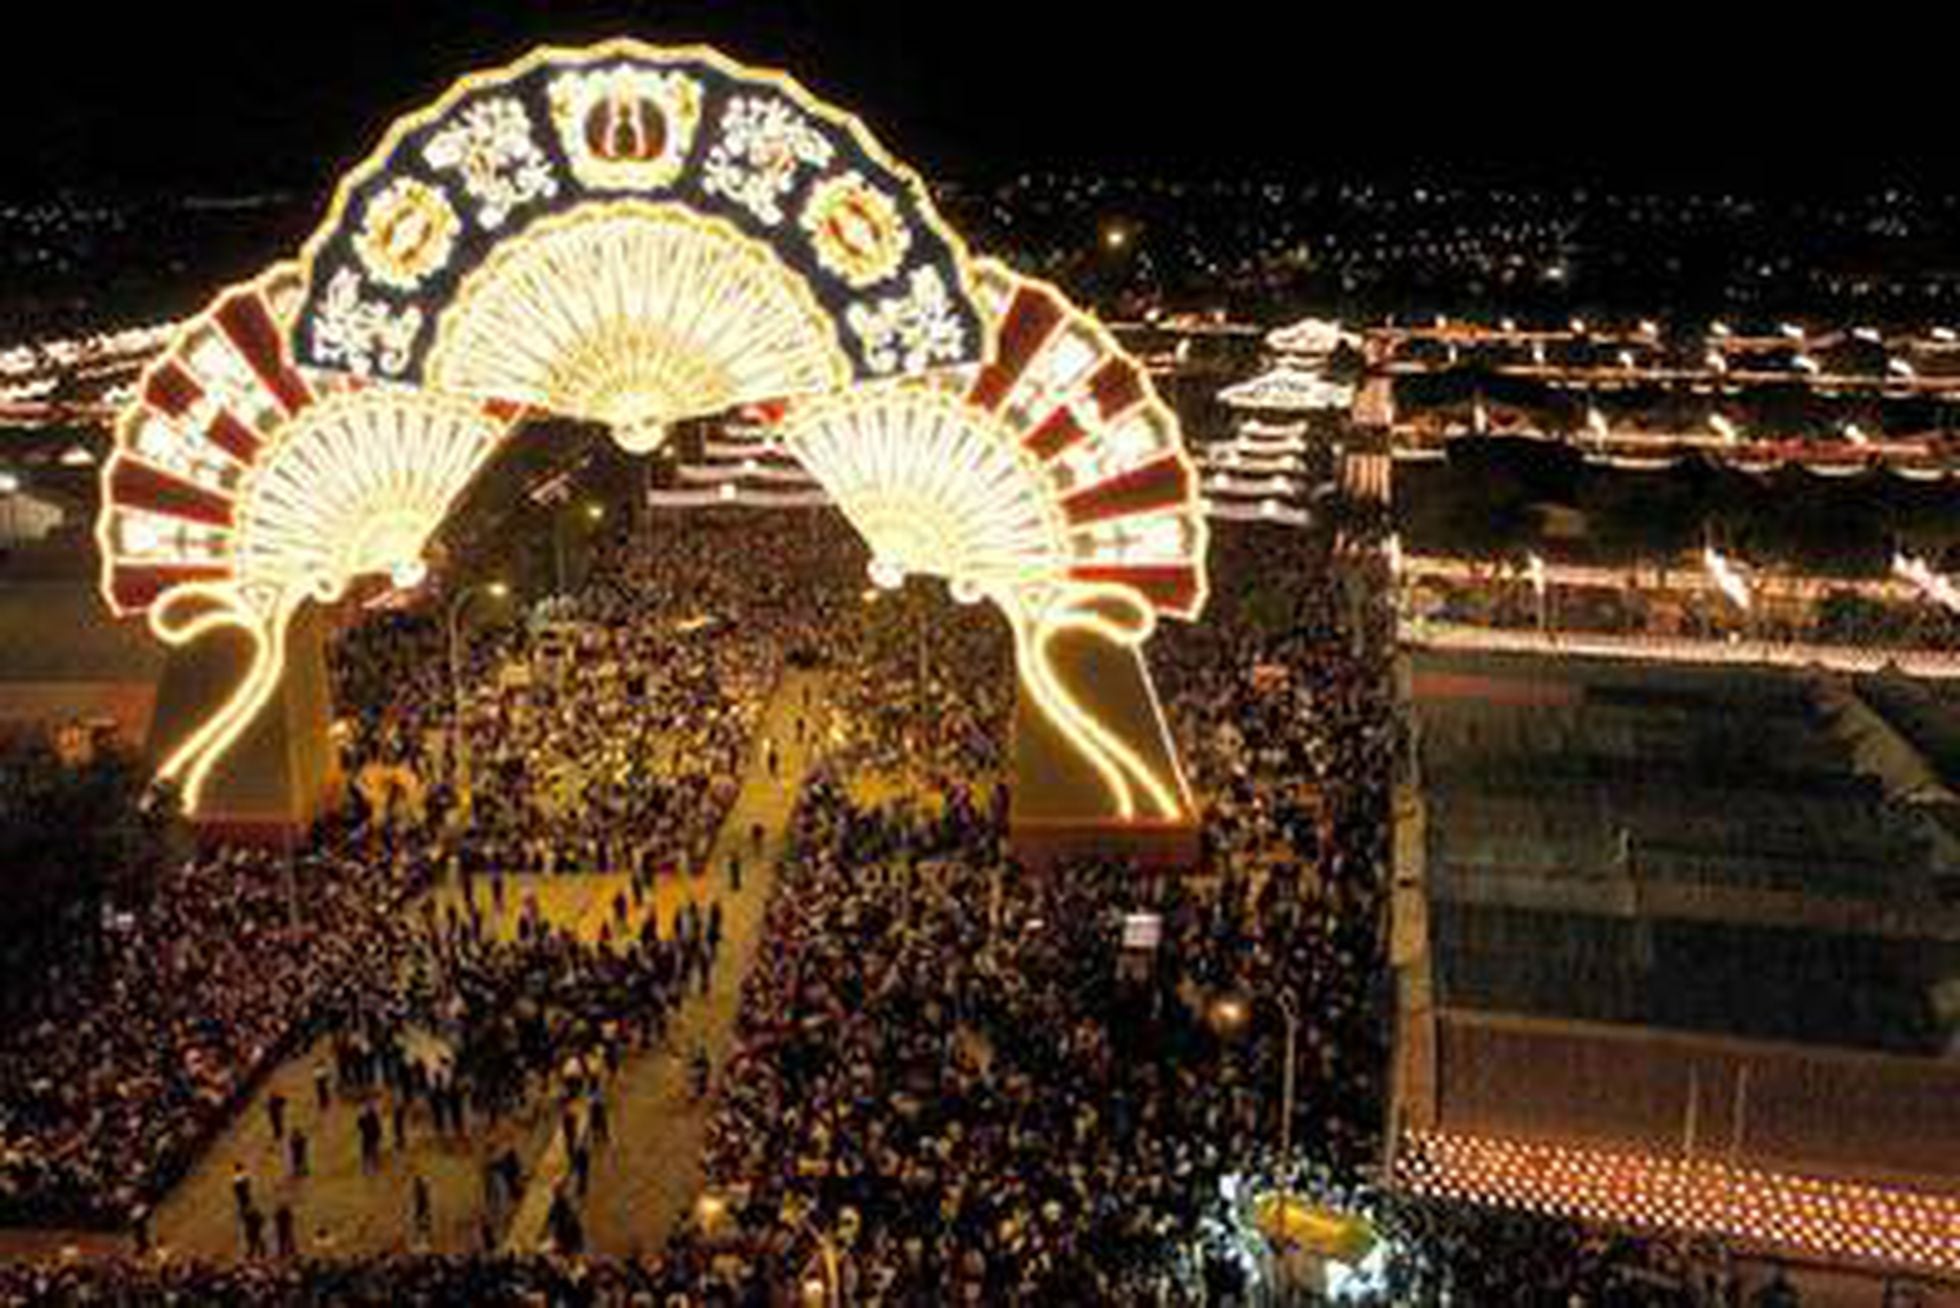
501 165
626 128
910 332
407 232
855 229
763 142
361 335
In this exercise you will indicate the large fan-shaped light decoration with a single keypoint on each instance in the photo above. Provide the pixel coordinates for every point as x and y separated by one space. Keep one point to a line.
1051 481
242 486
633 235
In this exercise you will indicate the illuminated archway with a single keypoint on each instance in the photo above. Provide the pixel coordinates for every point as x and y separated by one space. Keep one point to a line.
638 236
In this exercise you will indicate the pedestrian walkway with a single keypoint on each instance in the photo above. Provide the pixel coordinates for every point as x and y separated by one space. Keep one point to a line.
339 1208
647 1178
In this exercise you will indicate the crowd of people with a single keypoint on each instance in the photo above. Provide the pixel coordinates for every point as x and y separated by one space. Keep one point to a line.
953 1073
924 713
110 1085
113 1081
954 1079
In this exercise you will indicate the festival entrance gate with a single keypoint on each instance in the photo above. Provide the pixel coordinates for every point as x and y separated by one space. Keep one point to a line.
639 236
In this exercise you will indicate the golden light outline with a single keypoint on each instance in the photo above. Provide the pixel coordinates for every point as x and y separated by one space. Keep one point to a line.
264 583
491 276
1115 761
199 752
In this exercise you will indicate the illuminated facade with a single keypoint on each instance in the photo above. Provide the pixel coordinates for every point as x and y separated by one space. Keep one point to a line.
242 486
1051 481
1285 388
1256 476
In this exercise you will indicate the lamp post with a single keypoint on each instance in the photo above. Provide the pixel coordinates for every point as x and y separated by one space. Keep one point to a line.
1229 1017
1290 1009
496 590
592 514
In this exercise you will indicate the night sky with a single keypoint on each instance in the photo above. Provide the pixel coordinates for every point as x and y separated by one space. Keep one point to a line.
195 96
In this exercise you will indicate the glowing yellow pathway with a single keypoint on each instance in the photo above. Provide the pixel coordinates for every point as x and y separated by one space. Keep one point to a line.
647 1178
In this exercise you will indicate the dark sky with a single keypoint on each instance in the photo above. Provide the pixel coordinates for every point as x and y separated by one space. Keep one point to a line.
198 96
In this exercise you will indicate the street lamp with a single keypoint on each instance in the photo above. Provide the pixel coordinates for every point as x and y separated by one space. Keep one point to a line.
496 590
1230 1016
1290 1009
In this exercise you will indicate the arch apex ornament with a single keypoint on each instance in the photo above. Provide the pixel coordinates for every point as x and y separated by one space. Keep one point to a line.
635 235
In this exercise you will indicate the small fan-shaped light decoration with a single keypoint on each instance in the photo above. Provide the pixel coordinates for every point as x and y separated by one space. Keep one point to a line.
633 235
241 486
624 315
1287 389
1051 481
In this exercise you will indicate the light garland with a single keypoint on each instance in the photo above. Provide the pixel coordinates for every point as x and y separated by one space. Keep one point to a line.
1833 1220
735 496
763 473
1261 486
1260 428
1269 511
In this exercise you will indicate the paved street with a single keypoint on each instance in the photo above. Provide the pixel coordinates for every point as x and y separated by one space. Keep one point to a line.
650 1175
640 1184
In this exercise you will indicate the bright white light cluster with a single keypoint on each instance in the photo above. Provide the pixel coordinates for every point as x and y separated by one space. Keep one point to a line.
241 487
1729 581
1940 590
